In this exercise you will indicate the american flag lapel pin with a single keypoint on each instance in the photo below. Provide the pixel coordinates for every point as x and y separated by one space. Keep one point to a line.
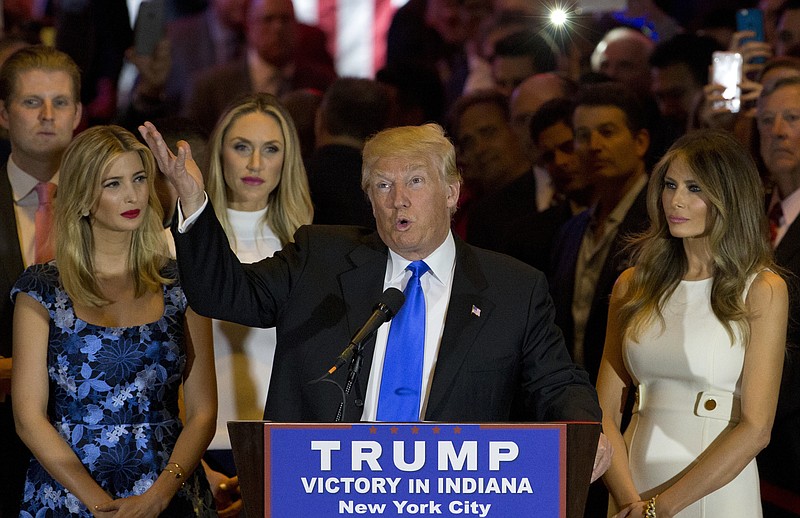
476 310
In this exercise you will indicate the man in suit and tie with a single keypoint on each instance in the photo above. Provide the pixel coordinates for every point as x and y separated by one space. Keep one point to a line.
778 119
490 350
588 255
40 107
611 141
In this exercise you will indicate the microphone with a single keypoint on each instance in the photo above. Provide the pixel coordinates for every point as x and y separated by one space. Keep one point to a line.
387 306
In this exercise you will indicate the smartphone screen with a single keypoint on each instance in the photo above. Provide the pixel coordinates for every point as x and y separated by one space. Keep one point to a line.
726 70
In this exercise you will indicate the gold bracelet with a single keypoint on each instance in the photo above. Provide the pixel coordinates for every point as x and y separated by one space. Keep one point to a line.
178 471
650 508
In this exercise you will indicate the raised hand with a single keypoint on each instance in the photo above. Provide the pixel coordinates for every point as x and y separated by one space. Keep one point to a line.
181 169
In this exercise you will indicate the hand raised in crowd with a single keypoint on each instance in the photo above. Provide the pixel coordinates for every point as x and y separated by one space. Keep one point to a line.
181 169
754 53
714 113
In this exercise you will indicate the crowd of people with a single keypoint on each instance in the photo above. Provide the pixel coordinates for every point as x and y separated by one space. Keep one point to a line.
584 231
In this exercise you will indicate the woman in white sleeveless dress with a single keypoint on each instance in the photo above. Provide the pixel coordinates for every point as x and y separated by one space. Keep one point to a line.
697 327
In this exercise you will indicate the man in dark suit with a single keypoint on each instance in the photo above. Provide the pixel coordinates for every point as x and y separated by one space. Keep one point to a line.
491 350
530 239
352 110
40 107
275 63
611 141
501 183
779 462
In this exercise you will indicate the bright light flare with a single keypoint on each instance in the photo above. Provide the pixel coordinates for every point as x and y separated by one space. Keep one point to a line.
558 17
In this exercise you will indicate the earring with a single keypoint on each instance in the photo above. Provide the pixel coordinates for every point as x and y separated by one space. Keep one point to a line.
85 213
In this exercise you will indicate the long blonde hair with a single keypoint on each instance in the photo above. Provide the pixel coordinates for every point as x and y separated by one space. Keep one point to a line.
84 162
290 202
737 236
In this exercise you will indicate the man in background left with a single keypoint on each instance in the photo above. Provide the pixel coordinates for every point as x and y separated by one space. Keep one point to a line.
40 107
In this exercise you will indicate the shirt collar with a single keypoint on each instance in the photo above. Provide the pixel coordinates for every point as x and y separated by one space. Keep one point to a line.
440 261
22 184
624 205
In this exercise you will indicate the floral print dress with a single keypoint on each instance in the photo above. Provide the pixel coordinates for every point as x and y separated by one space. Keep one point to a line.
114 399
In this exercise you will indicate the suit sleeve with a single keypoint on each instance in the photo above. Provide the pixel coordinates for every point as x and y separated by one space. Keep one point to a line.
217 285
554 388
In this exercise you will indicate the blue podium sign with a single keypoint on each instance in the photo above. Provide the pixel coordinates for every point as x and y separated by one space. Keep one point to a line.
415 469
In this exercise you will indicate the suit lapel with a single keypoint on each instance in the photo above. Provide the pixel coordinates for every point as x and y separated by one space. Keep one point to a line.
466 313
789 246
9 240
361 287
11 265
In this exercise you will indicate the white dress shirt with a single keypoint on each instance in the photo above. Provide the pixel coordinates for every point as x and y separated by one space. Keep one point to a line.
436 286
791 208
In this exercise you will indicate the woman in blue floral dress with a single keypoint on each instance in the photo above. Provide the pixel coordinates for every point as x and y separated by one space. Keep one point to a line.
103 339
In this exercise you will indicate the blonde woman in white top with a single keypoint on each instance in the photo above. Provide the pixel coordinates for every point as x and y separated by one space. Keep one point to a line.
258 187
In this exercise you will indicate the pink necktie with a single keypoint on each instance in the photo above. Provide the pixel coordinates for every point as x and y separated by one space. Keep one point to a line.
775 215
44 222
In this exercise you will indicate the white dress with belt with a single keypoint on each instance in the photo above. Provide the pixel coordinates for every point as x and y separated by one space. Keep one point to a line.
689 376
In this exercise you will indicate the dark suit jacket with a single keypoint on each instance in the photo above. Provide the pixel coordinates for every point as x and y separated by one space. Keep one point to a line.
530 239
562 285
13 454
320 289
215 88
334 177
779 462
490 218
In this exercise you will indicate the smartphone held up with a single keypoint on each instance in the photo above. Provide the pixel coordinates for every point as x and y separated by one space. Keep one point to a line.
726 70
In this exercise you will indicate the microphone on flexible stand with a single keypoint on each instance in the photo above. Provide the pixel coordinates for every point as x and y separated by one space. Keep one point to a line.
387 307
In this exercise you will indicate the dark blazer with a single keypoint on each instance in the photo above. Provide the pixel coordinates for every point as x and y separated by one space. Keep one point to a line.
13 454
530 239
501 357
490 218
562 285
213 89
334 177
779 462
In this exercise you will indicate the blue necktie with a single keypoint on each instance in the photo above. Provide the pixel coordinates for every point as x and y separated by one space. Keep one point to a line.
401 382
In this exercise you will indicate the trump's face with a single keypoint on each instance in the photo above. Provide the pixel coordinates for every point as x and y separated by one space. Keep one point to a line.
412 205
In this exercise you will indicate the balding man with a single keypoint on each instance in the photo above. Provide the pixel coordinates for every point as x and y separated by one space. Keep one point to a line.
530 95
623 55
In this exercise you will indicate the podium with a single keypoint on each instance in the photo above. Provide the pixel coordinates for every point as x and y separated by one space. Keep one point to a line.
473 465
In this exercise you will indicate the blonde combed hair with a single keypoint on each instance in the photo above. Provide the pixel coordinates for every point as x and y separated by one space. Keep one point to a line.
290 202
84 162
737 236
